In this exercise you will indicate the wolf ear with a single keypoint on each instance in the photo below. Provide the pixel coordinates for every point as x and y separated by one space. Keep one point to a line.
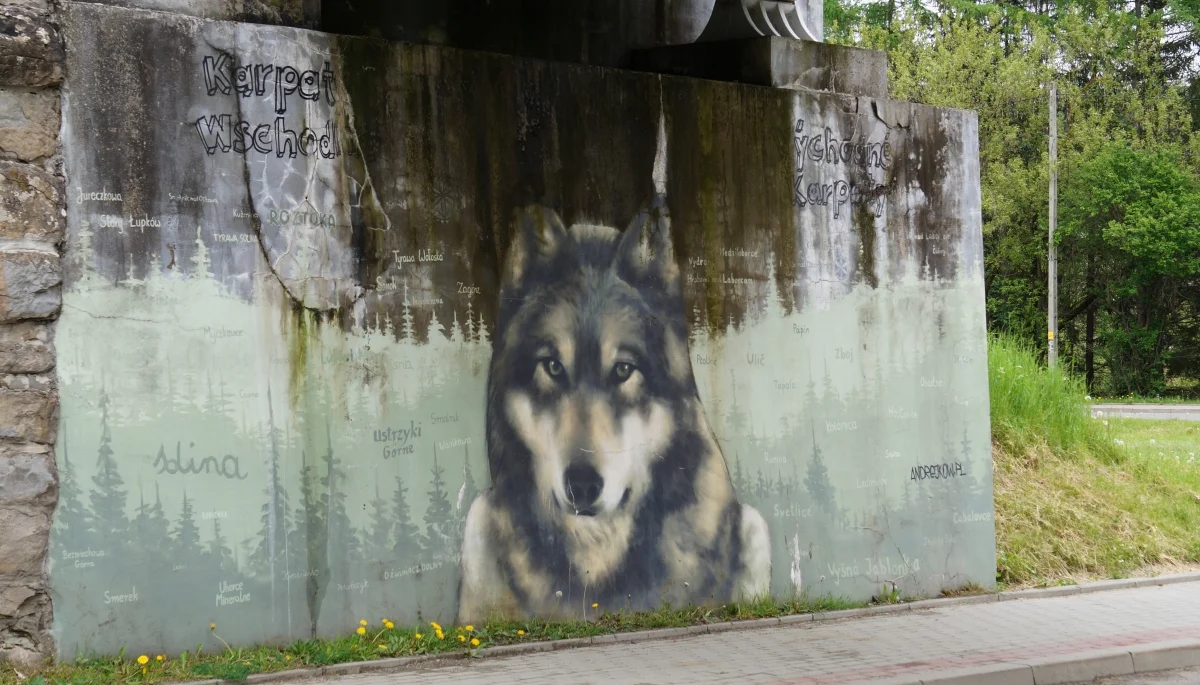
645 252
538 235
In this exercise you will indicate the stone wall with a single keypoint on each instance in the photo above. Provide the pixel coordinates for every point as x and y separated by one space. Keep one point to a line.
31 236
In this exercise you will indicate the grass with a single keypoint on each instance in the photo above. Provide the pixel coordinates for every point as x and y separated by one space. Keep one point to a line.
1078 497
377 641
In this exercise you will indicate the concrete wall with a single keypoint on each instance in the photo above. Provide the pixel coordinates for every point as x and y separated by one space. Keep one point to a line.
31 233
438 332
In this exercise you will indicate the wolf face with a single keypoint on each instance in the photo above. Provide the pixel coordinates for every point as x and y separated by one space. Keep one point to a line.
592 357
608 484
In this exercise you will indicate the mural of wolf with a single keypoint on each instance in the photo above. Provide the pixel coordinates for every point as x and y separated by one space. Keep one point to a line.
608 485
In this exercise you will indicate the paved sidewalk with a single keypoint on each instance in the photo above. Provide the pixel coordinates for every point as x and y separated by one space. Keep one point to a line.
895 647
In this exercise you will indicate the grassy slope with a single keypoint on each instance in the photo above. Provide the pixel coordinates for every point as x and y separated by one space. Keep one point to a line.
1071 499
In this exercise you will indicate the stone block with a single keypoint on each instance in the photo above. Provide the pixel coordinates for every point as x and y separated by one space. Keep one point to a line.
26 347
25 620
24 537
28 415
1165 656
30 204
27 475
776 62
29 123
1082 667
31 48
30 285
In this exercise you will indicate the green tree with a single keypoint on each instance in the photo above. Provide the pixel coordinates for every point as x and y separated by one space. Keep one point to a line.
109 520
406 541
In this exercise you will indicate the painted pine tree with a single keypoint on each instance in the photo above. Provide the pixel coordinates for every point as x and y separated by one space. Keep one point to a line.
439 516
186 537
406 537
816 481
218 550
378 543
344 543
109 520
71 518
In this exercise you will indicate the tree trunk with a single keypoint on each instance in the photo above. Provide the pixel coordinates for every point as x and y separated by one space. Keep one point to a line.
1089 334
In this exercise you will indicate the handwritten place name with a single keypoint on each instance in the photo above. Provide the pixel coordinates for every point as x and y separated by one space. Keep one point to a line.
421 257
467 289
775 460
219 333
143 223
208 515
192 198
734 280
874 569
231 593
695 261
235 238
739 252
938 250
937 471
878 482
800 330
402 437
843 354
360 586
961 401
456 442
110 221
902 414
444 418
229 467
702 360
697 279
439 561
131 596
792 511
239 213
246 394
784 387
891 454
221 132
81 558
841 572
296 575
101 196
932 382
839 426
939 541
959 359
972 517
756 358
299 217
426 302
824 147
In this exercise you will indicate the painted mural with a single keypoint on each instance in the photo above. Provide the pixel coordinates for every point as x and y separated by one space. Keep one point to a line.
352 327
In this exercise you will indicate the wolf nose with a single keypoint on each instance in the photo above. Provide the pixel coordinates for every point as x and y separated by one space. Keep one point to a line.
584 485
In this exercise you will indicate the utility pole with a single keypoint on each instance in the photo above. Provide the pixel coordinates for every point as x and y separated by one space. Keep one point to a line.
1052 314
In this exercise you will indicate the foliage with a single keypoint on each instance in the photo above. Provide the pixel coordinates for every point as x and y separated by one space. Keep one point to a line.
1079 497
1128 156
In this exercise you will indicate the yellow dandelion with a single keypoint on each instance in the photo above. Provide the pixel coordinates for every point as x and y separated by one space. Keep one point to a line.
160 657
362 631
287 657
418 636
461 638
474 642
435 625
143 659
363 623
389 625
383 646
521 633
440 635
470 629
212 626
595 605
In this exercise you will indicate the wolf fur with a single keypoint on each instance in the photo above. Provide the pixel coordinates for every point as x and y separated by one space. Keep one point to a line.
608 485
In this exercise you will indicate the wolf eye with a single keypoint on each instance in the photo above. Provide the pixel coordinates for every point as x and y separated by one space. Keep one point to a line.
553 367
622 371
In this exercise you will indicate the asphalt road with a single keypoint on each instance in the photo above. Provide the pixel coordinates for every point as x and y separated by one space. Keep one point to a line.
1181 412
1188 676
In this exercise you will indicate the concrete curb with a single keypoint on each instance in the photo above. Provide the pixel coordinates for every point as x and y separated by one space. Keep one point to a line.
1141 659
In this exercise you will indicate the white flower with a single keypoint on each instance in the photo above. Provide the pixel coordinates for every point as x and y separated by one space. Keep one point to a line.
558 594
1105 422
1152 441
1088 398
